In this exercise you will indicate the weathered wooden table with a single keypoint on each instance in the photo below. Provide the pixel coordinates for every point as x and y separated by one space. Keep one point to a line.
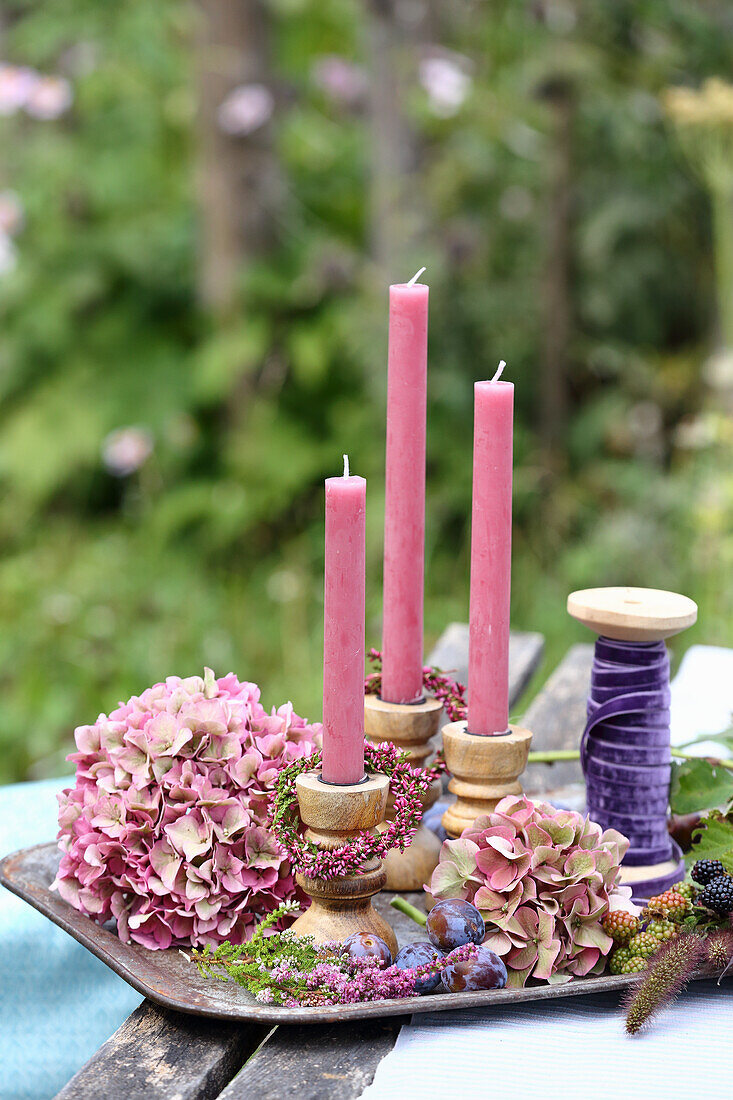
162 1055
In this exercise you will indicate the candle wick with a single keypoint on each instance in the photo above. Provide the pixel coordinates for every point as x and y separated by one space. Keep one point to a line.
416 276
499 370
346 465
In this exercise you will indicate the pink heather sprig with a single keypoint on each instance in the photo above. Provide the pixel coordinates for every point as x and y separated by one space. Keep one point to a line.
406 784
294 971
437 683
165 830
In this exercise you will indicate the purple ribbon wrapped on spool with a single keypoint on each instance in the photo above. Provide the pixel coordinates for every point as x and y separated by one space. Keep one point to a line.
625 749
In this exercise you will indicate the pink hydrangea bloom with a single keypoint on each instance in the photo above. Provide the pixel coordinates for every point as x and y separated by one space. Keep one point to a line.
166 829
543 879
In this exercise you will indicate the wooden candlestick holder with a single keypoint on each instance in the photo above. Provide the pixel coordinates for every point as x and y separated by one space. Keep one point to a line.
409 727
332 814
637 615
484 770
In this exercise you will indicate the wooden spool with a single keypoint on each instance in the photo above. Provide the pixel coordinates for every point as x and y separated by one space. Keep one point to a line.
484 770
634 615
410 727
333 813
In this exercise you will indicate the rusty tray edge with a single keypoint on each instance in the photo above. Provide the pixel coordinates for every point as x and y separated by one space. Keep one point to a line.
110 950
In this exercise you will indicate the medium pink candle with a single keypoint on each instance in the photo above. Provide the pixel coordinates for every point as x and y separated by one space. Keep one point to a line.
343 629
404 513
491 553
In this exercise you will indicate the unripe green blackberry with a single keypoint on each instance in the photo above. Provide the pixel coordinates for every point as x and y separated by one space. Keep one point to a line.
705 870
662 930
620 925
635 965
619 959
718 895
685 890
643 944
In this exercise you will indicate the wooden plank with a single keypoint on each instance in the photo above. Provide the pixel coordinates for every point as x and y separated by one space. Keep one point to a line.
158 1055
557 720
525 653
337 1061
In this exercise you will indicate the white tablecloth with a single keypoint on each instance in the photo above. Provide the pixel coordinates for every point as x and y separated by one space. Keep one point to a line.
574 1049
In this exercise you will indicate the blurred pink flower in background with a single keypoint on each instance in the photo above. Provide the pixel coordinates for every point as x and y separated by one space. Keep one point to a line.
341 80
16 82
42 97
447 82
245 109
49 98
125 450
11 213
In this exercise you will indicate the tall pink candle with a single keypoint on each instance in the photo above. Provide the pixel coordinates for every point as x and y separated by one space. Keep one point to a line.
343 629
491 552
404 517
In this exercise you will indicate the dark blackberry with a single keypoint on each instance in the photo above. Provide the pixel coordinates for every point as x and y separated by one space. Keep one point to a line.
718 895
705 870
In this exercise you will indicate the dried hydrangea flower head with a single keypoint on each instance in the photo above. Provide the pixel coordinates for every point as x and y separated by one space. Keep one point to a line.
543 880
166 828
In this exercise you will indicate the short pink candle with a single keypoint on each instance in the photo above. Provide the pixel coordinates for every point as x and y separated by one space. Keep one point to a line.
491 553
343 629
404 515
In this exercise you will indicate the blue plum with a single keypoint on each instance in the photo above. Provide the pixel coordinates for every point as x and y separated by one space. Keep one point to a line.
454 922
418 954
368 945
482 969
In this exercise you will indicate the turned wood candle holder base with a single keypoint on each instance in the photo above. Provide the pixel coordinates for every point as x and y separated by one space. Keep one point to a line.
332 814
484 770
409 727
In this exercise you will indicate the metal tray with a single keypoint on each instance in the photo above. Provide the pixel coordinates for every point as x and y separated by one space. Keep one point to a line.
166 978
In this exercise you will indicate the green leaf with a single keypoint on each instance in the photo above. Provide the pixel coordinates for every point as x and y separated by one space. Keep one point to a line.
697 785
713 840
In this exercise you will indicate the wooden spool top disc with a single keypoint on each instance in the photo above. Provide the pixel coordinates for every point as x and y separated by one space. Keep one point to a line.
632 614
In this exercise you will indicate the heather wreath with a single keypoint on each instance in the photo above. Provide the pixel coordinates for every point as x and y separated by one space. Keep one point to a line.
543 879
166 828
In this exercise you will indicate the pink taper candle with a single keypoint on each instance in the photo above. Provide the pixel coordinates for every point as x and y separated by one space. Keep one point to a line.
343 629
491 553
404 513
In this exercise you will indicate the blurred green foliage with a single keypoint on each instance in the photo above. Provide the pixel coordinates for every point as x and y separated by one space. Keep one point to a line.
212 551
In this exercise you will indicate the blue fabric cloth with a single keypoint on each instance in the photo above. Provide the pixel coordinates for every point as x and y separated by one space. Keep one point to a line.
58 1004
